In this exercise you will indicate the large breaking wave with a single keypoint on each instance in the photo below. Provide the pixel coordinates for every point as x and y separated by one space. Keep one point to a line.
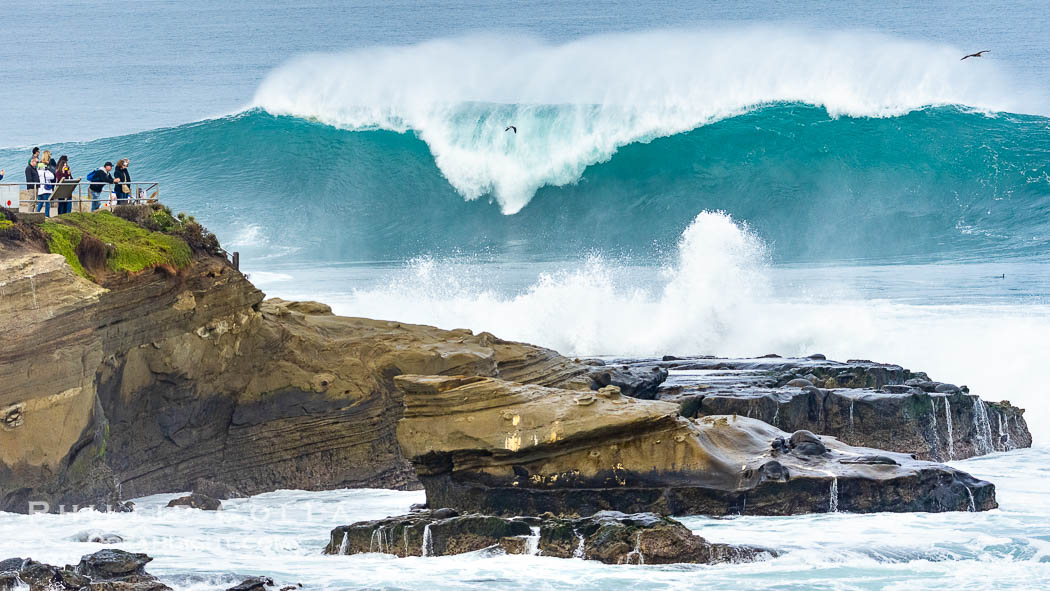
830 146
932 184
575 104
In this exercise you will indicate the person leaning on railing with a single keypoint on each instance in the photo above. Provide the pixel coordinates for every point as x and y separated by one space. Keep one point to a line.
99 176
47 184
62 173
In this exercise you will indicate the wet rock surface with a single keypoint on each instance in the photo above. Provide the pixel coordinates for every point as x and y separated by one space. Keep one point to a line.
616 538
106 570
426 533
609 537
253 584
216 490
636 381
488 446
196 501
859 402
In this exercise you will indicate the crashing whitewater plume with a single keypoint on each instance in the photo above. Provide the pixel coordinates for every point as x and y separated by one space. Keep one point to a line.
715 280
716 296
576 103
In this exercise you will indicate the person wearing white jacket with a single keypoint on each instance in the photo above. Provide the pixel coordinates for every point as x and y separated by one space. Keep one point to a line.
44 189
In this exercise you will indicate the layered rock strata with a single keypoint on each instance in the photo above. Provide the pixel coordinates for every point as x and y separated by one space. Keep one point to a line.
490 446
859 402
158 380
610 537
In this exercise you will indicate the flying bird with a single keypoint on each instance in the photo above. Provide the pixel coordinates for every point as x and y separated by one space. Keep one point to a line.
511 128
978 54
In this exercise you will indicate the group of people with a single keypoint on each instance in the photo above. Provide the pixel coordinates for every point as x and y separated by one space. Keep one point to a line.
45 173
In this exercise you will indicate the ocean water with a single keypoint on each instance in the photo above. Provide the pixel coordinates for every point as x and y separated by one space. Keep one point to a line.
686 178
282 534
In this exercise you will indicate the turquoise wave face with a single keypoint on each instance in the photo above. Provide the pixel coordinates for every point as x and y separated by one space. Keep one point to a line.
939 183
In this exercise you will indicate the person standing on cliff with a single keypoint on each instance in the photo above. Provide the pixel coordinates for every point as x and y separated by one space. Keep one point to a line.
47 179
32 178
62 172
99 175
122 177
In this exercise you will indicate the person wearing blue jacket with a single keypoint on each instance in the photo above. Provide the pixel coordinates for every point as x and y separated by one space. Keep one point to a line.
99 178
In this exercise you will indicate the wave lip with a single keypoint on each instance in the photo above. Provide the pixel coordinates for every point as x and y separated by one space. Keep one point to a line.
575 104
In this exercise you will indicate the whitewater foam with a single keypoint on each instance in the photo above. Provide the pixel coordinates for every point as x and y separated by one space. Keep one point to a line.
281 535
575 104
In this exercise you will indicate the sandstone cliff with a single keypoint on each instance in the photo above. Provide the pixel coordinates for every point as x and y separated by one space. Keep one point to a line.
158 378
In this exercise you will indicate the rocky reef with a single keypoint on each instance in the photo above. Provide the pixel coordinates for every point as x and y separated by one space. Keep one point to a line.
490 446
106 570
859 402
610 537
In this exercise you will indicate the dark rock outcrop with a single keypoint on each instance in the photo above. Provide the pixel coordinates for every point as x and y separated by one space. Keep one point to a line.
196 501
253 584
859 402
425 534
489 446
615 538
112 564
633 380
216 490
610 537
106 570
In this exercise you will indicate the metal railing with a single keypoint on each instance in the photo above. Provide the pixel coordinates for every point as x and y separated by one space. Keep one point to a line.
76 194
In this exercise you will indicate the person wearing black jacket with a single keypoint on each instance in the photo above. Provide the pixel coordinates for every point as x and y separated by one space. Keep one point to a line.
32 176
97 178
122 177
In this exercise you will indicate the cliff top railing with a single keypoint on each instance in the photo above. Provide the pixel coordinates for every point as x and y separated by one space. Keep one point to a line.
24 196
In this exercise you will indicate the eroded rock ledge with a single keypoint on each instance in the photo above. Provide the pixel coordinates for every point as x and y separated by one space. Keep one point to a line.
494 447
859 402
610 537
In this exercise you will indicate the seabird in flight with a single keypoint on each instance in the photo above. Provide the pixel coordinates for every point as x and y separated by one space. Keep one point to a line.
978 54
511 128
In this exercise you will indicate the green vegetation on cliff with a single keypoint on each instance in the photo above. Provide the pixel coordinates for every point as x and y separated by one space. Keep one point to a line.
124 246
64 240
